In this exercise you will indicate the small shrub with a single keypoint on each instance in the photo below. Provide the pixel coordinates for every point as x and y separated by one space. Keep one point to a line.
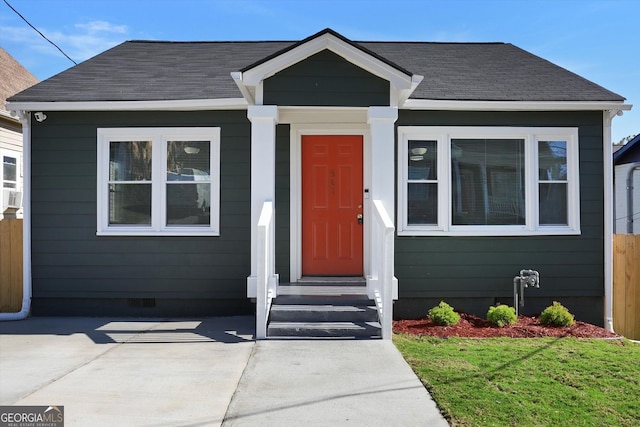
556 315
502 315
443 315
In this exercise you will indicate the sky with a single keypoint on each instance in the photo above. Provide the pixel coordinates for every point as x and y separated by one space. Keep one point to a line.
597 39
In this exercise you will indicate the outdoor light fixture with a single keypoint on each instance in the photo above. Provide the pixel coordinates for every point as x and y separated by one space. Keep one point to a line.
191 150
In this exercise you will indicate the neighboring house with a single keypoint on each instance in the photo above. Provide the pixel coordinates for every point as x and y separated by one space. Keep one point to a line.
13 79
435 171
626 161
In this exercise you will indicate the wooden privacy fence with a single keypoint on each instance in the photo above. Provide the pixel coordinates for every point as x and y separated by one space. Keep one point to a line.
10 265
626 285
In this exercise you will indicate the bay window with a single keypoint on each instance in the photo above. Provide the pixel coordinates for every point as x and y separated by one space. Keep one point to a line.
488 181
158 181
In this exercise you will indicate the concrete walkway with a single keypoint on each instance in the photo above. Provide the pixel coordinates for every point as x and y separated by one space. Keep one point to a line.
204 372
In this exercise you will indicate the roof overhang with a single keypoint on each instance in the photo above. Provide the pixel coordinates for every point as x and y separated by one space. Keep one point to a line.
628 146
7 116
449 105
169 105
242 104
249 80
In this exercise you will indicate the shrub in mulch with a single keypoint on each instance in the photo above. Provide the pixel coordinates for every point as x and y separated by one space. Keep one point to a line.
502 315
443 315
471 326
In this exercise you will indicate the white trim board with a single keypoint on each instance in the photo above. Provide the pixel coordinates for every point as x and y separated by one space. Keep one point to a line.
242 104
447 105
164 105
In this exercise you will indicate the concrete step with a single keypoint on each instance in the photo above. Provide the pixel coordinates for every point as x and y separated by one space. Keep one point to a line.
328 312
324 329
337 300
315 289
323 310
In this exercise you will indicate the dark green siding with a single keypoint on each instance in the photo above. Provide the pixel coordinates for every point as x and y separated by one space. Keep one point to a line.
326 79
571 267
72 264
73 267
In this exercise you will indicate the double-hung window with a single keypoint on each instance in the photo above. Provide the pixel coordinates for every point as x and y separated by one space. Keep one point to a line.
158 181
488 181
9 171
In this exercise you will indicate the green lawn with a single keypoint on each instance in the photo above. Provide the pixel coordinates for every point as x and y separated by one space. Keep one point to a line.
529 382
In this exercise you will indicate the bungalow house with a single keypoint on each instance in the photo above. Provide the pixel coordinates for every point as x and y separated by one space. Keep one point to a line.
626 163
13 78
291 178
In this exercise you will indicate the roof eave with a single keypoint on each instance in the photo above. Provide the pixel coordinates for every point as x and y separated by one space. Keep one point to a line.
161 105
628 146
437 104
8 116
241 103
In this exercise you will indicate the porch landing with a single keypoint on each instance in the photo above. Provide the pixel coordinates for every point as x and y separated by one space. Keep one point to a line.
324 308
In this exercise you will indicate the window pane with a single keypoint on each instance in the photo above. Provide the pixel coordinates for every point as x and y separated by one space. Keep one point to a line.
552 160
188 204
188 160
422 160
487 180
130 204
130 161
9 169
553 204
422 203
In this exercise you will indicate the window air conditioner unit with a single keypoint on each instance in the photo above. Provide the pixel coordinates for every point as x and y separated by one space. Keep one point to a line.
13 199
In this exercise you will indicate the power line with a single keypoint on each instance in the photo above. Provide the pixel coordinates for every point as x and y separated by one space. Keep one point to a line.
38 31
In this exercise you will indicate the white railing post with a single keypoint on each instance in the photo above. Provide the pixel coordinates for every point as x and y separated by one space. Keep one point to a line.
383 268
266 288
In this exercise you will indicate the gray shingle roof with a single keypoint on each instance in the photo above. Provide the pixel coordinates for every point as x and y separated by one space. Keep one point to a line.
148 70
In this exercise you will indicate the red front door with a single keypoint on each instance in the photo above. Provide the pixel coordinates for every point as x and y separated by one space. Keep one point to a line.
332 190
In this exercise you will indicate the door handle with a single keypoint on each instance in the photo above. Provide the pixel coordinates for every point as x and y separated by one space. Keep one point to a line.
360 219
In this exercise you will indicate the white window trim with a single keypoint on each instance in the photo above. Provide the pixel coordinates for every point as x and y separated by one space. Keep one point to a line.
159 138
15 155
531 136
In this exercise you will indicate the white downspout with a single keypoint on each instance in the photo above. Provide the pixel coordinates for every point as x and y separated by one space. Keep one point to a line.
608 116
25 119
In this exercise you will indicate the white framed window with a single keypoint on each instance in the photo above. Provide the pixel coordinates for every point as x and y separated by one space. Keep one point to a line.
488 181
10 179
10 169
158 181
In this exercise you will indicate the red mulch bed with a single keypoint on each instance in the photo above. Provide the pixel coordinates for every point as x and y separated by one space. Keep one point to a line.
475 327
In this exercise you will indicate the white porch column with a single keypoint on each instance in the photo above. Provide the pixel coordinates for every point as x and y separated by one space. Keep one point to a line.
382 284
263 175
381 120
381 123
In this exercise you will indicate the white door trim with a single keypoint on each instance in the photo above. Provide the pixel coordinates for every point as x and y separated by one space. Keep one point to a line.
297 131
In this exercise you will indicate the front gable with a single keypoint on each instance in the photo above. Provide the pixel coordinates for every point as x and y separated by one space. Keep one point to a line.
326 48
325 79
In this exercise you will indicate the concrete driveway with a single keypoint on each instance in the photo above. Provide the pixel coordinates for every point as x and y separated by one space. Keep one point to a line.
205 372
127 372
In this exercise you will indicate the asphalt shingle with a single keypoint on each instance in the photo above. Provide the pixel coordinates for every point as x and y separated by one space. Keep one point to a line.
149 70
